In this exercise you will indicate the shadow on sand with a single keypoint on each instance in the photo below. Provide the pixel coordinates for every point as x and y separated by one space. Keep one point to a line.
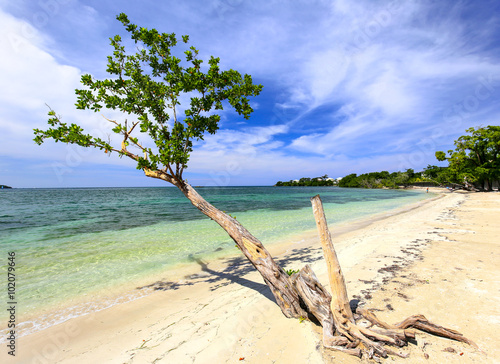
235 271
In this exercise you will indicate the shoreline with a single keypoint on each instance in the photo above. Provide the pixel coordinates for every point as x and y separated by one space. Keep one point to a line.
175 276
225 310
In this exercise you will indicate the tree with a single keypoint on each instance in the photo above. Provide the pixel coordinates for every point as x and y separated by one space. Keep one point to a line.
402 178
384 175
349 181
149 85
476 158
436 174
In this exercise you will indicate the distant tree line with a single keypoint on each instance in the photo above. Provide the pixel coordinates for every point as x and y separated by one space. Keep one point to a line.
307 181
433 175
474 164
383 179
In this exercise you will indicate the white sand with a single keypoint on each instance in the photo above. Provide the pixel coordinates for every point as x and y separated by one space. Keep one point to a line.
445 252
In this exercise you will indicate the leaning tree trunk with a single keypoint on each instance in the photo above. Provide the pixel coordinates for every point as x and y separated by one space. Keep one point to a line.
275 277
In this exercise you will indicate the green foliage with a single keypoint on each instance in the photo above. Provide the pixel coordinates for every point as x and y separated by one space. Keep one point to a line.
441 156
351 180
383 179
306 181
148 85
291 271
437 174
476 158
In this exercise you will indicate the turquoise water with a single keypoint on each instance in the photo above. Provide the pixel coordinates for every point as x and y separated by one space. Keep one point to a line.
72 243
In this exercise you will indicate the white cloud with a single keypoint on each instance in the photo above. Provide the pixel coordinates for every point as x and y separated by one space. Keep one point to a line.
27 71
241 140
389 75
388 86
325 71
32 78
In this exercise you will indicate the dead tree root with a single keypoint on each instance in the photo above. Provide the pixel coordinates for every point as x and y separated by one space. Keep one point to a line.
340 330
351 337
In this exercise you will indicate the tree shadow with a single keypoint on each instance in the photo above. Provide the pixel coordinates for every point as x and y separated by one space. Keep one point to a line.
233 274
234 271
302 256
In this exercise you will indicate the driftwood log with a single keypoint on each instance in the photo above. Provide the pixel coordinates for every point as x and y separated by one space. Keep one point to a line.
340 330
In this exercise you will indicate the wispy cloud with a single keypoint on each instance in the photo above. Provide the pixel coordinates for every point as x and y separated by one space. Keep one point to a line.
349 86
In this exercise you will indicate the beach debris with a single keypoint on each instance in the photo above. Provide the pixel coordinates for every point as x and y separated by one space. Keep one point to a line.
344 331
144 342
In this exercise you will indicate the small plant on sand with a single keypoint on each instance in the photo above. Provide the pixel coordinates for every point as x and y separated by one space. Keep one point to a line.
291 271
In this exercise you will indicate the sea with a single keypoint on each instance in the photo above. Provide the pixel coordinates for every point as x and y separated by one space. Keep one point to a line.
79 250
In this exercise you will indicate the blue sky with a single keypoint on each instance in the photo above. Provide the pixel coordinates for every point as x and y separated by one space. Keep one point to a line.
349 86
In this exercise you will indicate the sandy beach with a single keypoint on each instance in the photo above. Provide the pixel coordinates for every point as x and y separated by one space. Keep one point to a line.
439 258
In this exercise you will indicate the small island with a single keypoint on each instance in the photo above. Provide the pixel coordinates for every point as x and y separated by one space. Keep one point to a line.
4 186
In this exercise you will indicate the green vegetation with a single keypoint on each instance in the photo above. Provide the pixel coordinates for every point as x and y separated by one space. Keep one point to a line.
475 160
383 179
306 181
291 271
148 85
